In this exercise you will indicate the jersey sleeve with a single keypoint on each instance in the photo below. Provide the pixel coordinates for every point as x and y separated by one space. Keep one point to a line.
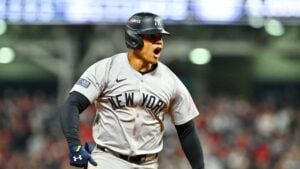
183 108
91 82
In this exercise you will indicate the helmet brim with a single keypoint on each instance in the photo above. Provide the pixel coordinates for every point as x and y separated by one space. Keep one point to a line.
154 31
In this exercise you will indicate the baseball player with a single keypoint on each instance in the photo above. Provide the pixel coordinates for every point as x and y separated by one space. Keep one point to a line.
132 92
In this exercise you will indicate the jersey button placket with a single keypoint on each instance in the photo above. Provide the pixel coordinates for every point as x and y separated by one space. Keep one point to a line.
137 121
141 91
141 81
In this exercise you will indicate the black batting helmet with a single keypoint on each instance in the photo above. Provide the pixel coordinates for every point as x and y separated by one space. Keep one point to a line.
142 23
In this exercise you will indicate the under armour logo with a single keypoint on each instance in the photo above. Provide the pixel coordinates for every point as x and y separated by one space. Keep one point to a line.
77 158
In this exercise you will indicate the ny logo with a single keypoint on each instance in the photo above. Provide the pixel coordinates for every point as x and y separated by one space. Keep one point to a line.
157 21
77 158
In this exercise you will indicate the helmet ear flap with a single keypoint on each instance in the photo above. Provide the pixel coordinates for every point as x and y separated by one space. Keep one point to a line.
133 40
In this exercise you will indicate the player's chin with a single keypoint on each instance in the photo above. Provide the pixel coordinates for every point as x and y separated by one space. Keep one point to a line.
154 60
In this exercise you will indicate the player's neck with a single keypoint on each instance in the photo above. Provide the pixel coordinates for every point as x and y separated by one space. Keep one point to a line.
139 64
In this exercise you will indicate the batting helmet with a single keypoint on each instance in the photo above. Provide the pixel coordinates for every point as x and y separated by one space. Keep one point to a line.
142 23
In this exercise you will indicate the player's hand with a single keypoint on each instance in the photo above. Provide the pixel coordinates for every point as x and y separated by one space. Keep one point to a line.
79 157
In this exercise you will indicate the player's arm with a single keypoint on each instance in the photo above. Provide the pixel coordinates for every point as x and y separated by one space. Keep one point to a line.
183 111
190 144
87 88
69 119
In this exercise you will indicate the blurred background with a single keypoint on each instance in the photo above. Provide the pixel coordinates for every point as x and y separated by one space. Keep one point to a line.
240 59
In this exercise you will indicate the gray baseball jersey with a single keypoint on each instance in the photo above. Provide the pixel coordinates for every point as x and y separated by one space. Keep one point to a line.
131 105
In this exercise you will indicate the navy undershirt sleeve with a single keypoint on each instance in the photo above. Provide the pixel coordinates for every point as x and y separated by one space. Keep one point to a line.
69 116
191 145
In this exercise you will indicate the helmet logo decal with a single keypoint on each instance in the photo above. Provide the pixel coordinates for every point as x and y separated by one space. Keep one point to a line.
135 20
157 21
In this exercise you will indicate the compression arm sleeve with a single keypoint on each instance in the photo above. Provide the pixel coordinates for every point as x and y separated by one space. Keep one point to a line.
69 117
191 144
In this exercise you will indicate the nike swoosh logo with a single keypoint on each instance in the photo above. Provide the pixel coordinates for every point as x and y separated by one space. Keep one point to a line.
120 80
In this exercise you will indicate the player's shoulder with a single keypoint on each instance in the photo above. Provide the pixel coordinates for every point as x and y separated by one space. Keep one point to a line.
167 72
108 60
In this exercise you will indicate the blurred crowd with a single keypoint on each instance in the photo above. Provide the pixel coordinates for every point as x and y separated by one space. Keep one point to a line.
235 133
239 134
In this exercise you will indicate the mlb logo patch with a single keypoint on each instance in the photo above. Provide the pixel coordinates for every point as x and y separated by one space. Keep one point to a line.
83 82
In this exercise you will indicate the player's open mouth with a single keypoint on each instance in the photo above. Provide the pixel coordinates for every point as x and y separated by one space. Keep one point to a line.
157 51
